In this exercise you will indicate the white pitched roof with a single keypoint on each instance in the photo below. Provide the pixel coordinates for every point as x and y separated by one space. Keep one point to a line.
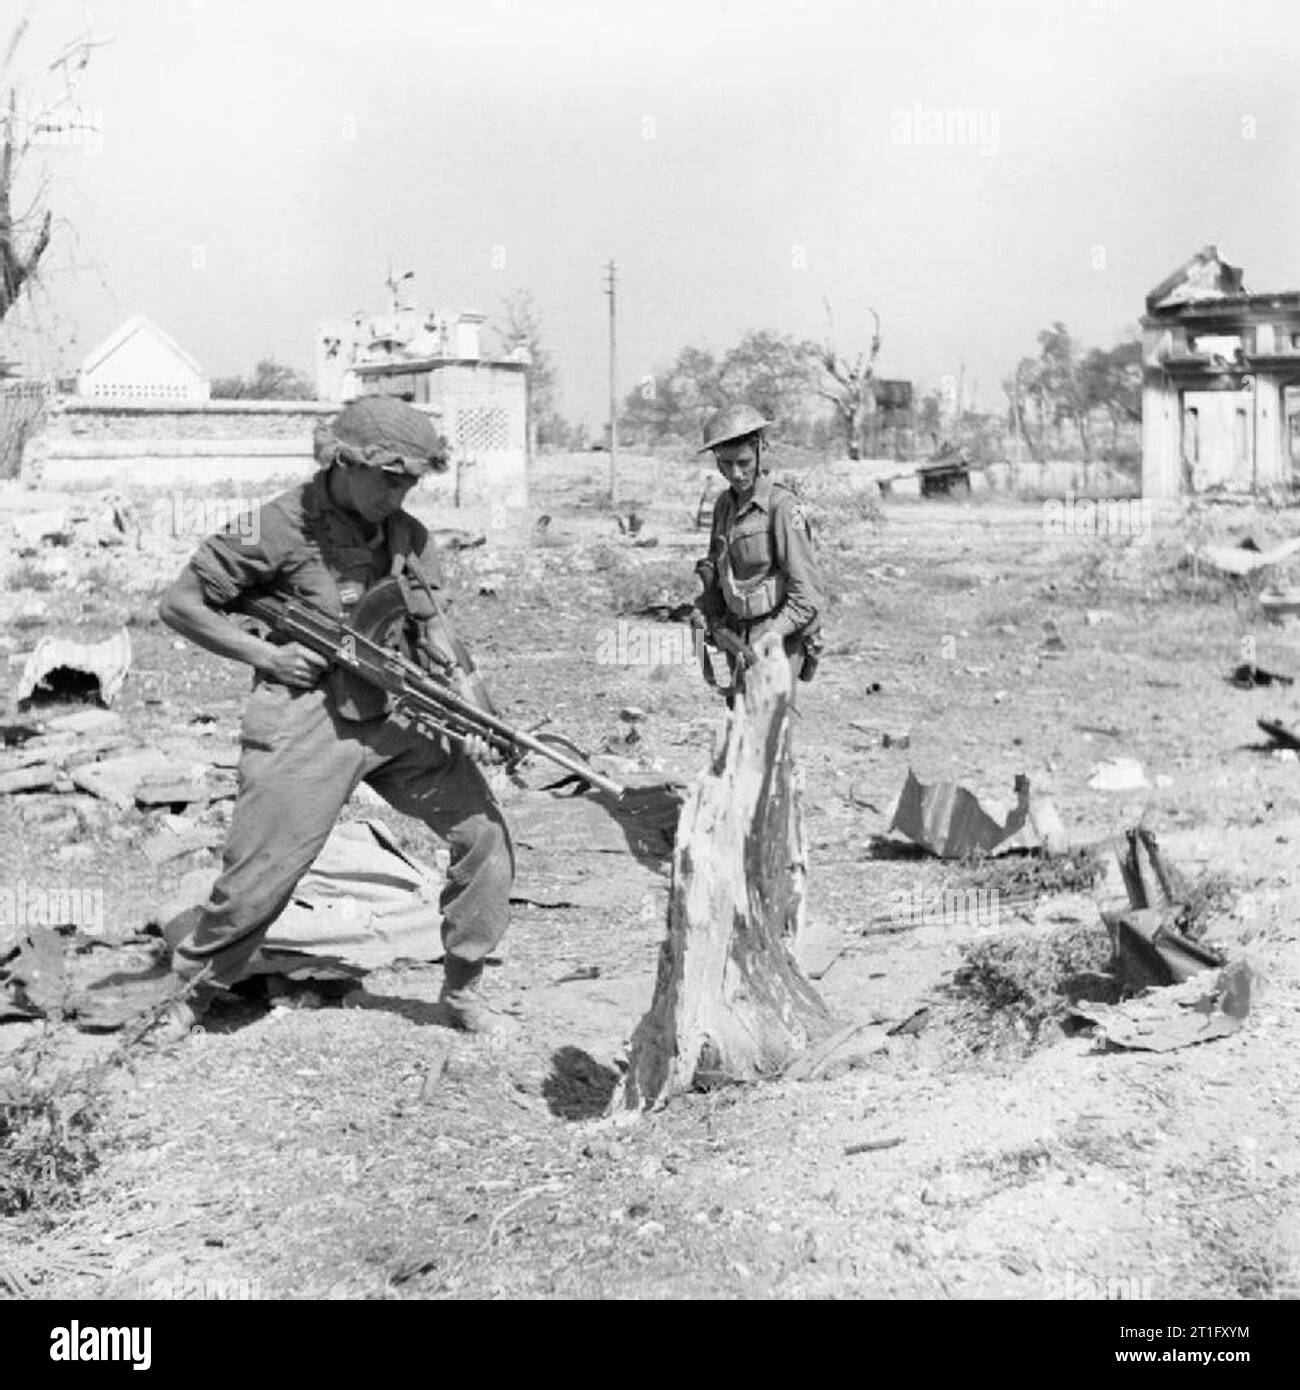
136 324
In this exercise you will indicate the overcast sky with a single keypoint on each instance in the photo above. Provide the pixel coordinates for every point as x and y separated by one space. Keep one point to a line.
742 160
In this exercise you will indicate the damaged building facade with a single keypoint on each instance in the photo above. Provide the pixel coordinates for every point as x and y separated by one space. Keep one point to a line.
435 360
1220 383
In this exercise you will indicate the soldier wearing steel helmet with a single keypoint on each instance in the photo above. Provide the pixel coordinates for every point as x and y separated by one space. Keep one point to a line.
760 575
311 734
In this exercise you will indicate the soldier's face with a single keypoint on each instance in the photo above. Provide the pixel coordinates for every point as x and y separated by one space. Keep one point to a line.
374 494
738 464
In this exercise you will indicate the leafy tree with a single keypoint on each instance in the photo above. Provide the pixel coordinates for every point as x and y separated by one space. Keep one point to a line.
773 372
1113 383
271 381
673 403
1062 388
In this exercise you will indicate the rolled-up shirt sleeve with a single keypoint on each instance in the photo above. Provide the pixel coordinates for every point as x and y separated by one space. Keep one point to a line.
798 563
239 558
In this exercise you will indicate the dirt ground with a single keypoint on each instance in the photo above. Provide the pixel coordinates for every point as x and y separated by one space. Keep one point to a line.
364 1152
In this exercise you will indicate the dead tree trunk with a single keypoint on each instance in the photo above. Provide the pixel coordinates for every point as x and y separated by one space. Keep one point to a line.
730 1003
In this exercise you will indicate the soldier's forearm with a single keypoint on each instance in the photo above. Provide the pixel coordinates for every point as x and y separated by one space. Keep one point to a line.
184 610
794 615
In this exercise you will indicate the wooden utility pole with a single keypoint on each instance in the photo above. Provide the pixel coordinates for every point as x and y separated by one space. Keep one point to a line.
612 271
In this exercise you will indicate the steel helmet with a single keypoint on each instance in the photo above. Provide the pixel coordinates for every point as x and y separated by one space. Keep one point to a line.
732 422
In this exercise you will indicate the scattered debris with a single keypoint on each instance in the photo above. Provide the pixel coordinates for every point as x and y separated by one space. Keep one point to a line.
583 972
1246 558
34 529
1279 735
849 1047
882 737
84 721
819 946
62 669
452 538
870 1146
1279 604
33 977
1149 933
913 1025
1118 775
169 842
174 789
34 778
1150 950
115 779
664 612
1176 1016
1248 675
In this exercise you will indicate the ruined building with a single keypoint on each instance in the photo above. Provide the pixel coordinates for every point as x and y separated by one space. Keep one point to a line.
435 360
1221 383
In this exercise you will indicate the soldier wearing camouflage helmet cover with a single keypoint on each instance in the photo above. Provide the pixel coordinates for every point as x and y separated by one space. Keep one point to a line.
760 574
310 735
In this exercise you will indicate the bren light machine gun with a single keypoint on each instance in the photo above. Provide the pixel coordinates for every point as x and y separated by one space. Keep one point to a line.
418 699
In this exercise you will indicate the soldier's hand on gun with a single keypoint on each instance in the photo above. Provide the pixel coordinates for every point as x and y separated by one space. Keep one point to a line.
294 665
480 751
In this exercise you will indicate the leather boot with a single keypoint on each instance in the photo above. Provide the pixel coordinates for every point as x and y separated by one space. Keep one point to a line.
463 1003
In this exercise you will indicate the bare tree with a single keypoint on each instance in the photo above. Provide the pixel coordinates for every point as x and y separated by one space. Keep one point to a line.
28 123
849 385
520 325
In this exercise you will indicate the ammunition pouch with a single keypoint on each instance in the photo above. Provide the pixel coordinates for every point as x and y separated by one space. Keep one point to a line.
750 599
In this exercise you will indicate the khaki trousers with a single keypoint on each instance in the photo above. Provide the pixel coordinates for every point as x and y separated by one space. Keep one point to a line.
300 762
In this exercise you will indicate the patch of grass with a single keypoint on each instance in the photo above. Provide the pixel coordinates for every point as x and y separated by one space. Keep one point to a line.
1208 897
1036 874
836 510
634 586
50 1135
29 576
1015 985
98 578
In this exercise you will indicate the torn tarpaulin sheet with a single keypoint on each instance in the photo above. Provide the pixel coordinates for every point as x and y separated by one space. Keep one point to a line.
363 904
949 820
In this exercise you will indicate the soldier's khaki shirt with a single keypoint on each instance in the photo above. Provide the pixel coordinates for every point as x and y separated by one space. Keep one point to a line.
768 534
